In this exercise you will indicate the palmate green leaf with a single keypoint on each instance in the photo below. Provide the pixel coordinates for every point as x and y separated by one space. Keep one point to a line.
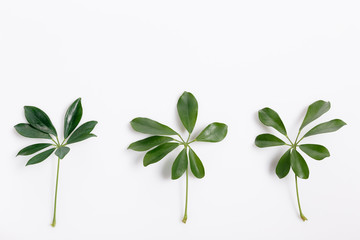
40 157
148 126
159 153
272 119
82 133
268 140
315 151
214 132
39 120
180 165
315 110
148 143
283 166
33 149
72 117
196 166
326 127
61 152
299 165
27 130
187 107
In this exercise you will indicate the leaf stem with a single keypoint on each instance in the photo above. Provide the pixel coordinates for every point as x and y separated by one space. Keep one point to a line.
289 140
296 142
298 200
186 201
181 138
56 189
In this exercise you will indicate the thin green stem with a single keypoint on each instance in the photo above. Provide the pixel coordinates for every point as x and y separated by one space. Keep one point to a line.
289 140
181 138
56 189
298 199
54 141
296 142
187 191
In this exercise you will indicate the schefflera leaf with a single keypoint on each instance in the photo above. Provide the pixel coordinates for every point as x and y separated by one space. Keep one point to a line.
299 164
83 132
187 107
272 119
33 149
148 126
315 151
326 127
268 140
159 153
72 117
27 130
283 166
40 157
180 165
39 120
314 111
214 132
61 152
148 143
196 166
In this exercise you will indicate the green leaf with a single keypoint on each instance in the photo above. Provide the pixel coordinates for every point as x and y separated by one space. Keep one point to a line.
270 118
317 152
27 130
180 165
299 165
159 153
148 126
148 143
283 166
315 110
40 157
72 117
62 151
196 166
82 133
330 126
39 120
33 148
214 132
187 107
268 140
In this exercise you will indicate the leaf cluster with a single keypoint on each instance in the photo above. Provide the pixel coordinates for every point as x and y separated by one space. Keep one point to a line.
292 157
40 126
163 142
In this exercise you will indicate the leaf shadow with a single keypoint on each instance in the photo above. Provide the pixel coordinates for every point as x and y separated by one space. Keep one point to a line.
274 161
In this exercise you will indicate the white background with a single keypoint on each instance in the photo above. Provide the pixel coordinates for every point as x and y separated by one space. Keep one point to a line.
135 58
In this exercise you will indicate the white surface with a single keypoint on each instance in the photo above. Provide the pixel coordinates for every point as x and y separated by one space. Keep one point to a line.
135 58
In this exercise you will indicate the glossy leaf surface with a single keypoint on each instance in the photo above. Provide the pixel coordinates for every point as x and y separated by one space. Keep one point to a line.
148 143
148 126
326 127
268 140
299 165
33 148
180 165
315 151
214 132
40 157
39 120
196 166
187 107
27 130
270 118
283 166
62 151
314 111
72 117
83 132
159 153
